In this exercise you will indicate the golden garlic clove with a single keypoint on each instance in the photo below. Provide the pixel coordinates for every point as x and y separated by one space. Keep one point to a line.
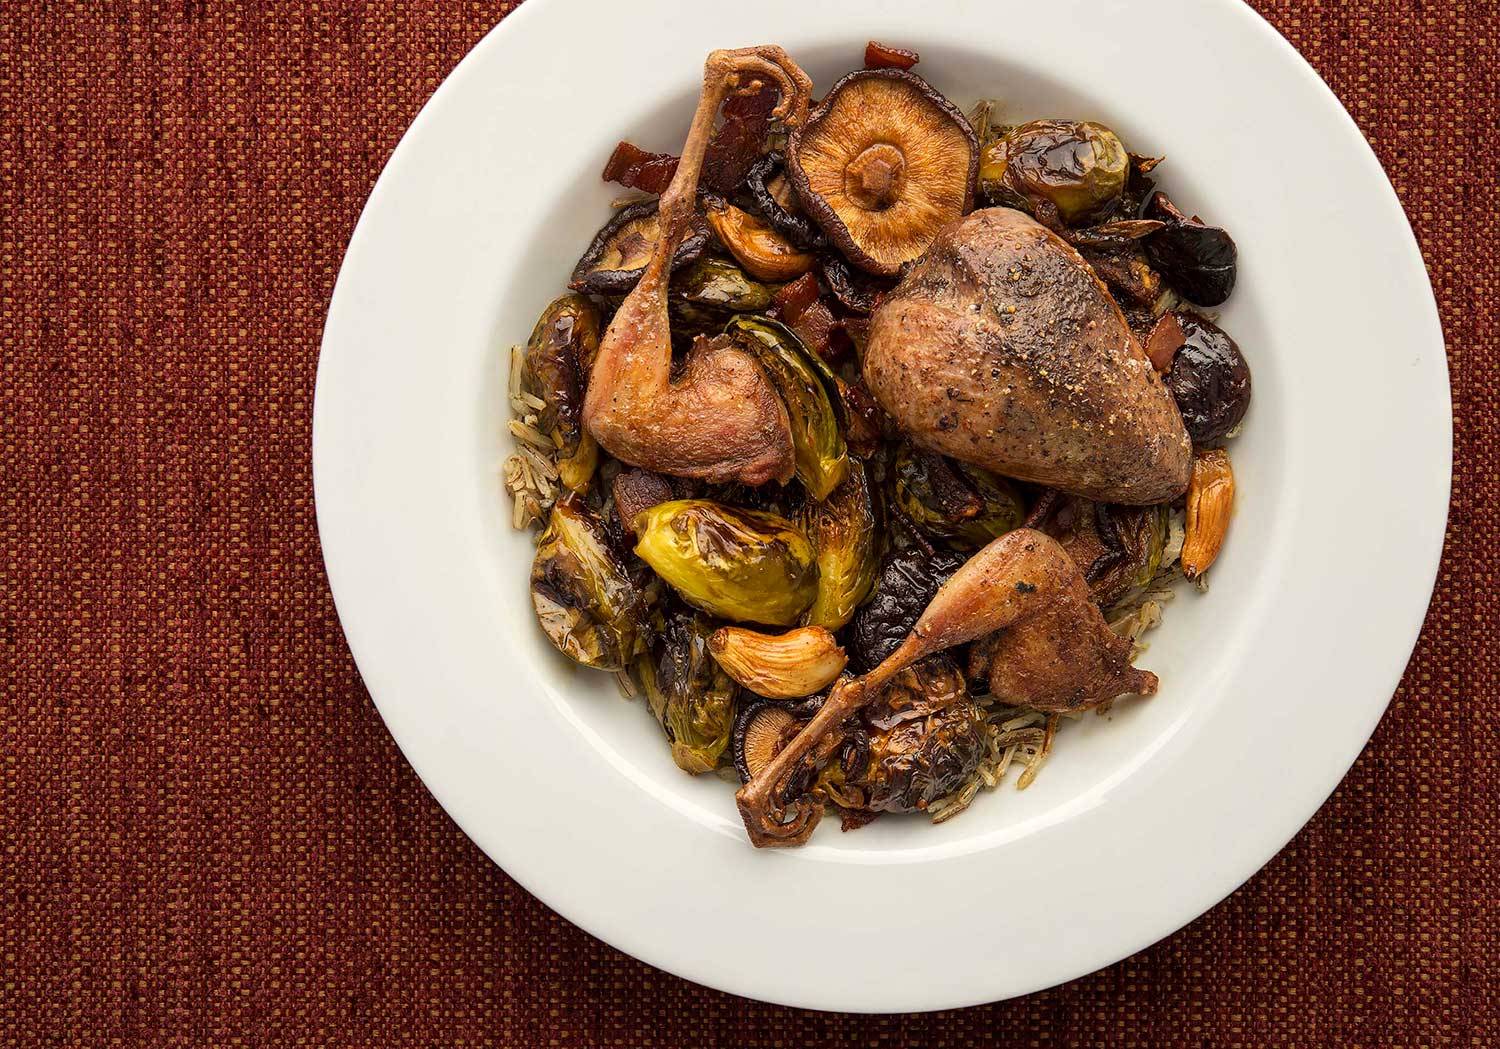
779 666
1210 500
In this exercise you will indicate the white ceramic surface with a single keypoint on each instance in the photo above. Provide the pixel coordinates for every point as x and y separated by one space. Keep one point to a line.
1142 820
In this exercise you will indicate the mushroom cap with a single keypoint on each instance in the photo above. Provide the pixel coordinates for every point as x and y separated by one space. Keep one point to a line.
882 164
760 733
617 256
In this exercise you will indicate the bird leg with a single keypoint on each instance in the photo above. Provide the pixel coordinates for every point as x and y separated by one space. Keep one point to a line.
721 419
1022 579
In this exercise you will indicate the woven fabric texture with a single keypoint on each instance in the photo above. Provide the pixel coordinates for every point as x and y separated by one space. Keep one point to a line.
206 834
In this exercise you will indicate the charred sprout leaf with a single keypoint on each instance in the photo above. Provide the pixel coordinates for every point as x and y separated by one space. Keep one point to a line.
558 356
926 738
908 579
1117 550
741 565
761 183
882 164
1209 379
584 599
1200 261
705 293
632 166
1078 167
692 698
619 252
842 529
955 502
810 393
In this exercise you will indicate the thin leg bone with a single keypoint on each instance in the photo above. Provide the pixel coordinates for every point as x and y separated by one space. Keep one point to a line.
721 420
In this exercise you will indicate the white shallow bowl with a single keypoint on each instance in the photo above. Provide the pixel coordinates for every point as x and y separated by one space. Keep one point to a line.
1142 820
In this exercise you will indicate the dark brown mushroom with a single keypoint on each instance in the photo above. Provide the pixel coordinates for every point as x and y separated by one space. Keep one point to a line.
618 254
1209 379
882 164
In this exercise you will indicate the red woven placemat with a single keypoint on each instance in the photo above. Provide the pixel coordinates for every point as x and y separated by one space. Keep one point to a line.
208 835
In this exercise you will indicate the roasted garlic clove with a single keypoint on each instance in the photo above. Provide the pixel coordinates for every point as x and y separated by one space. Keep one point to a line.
1210 501
779 666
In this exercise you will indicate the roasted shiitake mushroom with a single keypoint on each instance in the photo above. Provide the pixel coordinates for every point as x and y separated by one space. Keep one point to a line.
760 731
842 530
617 256
558 355
810 393
926 738
774 198
746 566
585 600
955 502
882 164
1199 260
690 695
1075 167
1209 379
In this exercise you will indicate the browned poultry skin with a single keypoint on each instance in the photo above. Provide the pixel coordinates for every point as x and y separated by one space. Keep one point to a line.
1051 647
1001 347
720 419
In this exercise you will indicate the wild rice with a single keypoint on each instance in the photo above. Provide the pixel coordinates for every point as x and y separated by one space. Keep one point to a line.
524 431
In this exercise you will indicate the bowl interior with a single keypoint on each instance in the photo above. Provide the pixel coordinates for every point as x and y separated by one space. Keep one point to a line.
1188 652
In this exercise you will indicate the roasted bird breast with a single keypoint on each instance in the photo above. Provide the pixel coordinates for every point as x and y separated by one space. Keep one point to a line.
1001 348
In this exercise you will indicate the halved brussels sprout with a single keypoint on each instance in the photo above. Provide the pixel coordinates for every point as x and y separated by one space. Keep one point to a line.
742 565
810 393
705 293
584 598
842 529
953 501
690 695
559 355
1076 166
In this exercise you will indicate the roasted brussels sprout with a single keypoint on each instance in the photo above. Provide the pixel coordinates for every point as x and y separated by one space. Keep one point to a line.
617 255
1200 261
842 529
882 164
908 579
926 738
558 357
1118 547
584 598
960 504
740 565
692 698
1075 166
706 293
1210 380
810 393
